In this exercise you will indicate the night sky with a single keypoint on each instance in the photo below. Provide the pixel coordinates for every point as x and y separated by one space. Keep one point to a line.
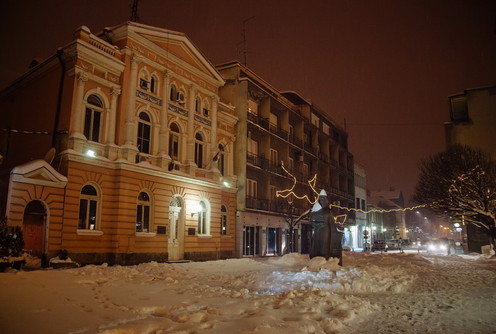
383 69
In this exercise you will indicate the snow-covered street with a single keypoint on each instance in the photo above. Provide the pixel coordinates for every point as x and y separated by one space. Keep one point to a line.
372 292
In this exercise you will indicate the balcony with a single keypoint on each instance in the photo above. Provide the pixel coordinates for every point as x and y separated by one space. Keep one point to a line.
258 204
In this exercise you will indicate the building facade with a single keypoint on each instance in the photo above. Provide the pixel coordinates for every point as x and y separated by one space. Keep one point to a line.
120 150
389 222
282 142
472 123
357 239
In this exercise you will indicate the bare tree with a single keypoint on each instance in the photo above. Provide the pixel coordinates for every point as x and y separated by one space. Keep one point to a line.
461 182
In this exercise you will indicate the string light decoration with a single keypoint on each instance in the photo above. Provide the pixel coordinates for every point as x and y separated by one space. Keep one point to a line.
288 192
339 219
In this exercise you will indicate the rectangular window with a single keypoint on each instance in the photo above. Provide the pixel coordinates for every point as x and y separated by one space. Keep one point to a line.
305 170
291 133
223 224
291 164
252 147
272 193
273 119
252 107
357 205
251 188
363 205
274 157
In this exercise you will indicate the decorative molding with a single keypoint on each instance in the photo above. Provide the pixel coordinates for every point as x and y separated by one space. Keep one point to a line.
203 120
178 110
148 97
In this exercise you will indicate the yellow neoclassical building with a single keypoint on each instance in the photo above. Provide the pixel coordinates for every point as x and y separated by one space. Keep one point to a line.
118 149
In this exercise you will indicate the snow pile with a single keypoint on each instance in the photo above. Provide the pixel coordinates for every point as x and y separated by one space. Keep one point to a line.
382 292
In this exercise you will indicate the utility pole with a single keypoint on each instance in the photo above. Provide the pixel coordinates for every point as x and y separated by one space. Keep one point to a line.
134 11
244 39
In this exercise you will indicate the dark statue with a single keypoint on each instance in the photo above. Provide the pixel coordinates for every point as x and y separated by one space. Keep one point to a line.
327 237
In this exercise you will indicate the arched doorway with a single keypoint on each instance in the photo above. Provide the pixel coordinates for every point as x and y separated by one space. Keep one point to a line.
176 229
33 227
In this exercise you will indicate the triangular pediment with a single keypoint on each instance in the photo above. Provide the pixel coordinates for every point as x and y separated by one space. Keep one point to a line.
176 46
38 172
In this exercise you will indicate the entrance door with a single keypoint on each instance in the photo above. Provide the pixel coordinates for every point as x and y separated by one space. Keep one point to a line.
176 230
33 228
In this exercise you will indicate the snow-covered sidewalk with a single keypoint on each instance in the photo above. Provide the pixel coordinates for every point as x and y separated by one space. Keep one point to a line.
383 293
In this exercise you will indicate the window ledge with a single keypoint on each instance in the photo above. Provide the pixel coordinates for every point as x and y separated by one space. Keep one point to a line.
146 234
90 232
205 236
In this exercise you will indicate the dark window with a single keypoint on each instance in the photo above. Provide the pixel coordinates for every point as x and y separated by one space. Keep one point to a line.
144 133
223 220
143 213
199 150
94 108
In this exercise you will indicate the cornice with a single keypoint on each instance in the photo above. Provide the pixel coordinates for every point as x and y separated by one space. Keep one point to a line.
146 169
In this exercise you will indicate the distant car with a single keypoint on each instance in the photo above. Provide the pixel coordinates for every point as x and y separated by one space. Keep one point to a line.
441 246
379 245
393 244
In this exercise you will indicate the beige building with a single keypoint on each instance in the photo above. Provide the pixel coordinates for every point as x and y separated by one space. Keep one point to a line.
119 149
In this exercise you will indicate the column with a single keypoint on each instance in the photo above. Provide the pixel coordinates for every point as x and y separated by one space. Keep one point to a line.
131 103
164 128
213 145
114 92
191 121
78 110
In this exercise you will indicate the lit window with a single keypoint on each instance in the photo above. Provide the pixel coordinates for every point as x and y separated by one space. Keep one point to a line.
199 150
203 219
92 119
223 220
143 213
88 206
144 133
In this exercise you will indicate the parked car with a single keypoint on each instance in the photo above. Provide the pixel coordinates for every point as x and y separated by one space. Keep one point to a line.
380 245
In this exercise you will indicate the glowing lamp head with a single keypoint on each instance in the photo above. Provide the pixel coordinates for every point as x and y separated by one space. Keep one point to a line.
91 153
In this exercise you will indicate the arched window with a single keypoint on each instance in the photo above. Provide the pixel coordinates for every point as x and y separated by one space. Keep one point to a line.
223 220
173 93
88 206
197 105
143 213
144 81
203 219
174 142
206 109
92 119
199 150
221 160
144 133
153 84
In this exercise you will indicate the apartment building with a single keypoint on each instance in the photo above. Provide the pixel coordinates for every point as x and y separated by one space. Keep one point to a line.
119 149
282 142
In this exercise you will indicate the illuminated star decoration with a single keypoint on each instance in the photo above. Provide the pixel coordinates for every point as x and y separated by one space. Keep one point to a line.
339 219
